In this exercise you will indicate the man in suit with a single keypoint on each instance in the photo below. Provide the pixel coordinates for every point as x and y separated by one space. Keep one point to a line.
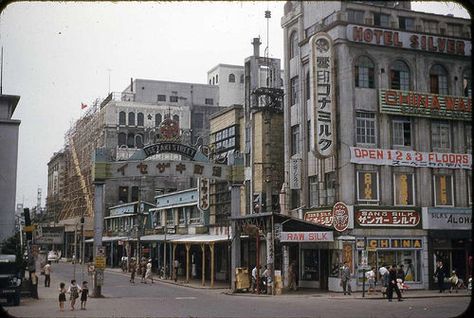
346 279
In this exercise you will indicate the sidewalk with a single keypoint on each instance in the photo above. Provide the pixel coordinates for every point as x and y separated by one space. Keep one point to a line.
303 292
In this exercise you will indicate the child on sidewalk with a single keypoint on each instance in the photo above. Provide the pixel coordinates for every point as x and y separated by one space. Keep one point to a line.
62 296
84 294
74 293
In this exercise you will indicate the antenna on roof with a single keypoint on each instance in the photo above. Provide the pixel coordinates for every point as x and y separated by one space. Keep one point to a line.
268 15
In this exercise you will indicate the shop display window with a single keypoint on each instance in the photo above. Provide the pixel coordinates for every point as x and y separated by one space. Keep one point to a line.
310 264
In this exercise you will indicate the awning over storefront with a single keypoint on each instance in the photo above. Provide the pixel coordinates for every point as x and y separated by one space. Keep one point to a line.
109 239
184 238
287 223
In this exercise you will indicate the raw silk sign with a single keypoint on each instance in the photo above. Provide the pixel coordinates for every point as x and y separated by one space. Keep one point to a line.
390 157
306 237
323 97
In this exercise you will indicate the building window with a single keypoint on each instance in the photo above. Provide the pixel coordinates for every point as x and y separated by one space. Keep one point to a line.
131 140
176 119
313 191
355 16
226 139
365 128
468 134
135 194
454 29
438 80
123 194
293 45
364 73
131 119
174 99
407 24
403 189
295 140
440 135
294 91
430 26
195 217
242 78
382 20
231 78
467 84
139 141
158 119
367 187
401 132
443 188
140 119
400 76
198 121
162 98
210 82
169 217
157 219
209 101
122 139
217 78
122 118
181 216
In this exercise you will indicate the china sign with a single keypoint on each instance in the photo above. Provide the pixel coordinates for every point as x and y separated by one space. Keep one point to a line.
417 104
415 159
408 40
389 243
306 237
323 97
387 218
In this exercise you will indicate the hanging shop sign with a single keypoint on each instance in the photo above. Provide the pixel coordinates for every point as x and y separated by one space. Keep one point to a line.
415 159
408 40
306 237
340 214
447 218
323 95
387 218
295 173
323 217
418 104
170 147
389 243
203 194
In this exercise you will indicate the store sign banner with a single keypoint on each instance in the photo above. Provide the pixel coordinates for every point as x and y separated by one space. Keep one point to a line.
295 173
323 217
408 40
447 218
389 243
203 194
415 159
418 104
50 235
306 237
323 95
340 214
387 218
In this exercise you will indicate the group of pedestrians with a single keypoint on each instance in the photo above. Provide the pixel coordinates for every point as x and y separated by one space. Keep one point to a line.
74 291
144 268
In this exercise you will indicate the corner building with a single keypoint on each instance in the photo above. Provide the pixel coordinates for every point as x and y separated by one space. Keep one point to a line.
378 116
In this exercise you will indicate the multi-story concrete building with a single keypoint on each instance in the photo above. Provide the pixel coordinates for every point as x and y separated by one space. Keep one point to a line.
9 158
378 117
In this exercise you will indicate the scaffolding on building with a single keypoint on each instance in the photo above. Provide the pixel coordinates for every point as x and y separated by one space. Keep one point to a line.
81 140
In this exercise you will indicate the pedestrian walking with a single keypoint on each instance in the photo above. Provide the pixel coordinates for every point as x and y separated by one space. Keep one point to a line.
62 295
73 291
254 278
292 276
384 277
143 270
47 274
401 273
175 269
133 270
392 284
84 294
346 279
370 275
453 281
440 275
148 273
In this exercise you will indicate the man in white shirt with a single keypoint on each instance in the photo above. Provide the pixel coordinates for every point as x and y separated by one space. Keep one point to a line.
47 274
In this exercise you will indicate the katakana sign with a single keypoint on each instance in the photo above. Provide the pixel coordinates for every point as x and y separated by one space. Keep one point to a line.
387 218
323 97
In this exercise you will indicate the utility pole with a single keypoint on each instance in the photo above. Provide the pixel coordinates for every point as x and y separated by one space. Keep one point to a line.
82 248
74 258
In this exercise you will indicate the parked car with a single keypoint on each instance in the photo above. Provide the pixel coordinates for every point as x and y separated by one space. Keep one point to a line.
10 279
53 256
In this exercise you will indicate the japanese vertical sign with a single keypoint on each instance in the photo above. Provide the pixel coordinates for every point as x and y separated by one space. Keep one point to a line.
203 194
295 172
323 97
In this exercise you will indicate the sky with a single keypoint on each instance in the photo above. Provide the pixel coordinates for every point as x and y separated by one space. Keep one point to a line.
58 55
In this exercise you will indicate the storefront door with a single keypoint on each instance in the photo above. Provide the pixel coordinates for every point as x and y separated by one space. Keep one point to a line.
310 268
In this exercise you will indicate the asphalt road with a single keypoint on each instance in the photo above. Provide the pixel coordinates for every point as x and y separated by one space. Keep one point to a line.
123 299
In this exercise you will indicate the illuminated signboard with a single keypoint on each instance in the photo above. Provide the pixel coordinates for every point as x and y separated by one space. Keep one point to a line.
418 104
387 218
